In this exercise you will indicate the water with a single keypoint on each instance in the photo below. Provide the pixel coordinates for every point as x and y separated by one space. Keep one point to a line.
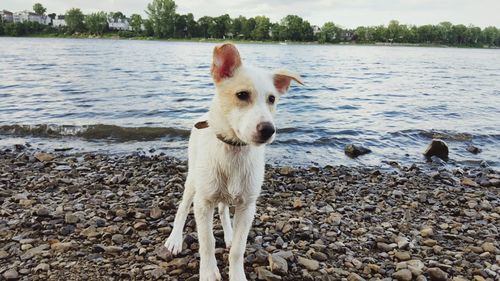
121 96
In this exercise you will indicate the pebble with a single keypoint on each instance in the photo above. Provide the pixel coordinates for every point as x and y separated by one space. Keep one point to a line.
402 275
426 231
308 263
354 277
10 274
436 274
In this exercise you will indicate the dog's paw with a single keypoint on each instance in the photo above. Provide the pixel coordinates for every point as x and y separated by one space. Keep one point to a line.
174 244
210 274
238 275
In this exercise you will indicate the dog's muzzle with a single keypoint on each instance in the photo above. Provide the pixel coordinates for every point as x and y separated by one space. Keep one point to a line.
265 131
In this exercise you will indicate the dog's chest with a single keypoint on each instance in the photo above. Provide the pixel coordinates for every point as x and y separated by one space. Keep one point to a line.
239 178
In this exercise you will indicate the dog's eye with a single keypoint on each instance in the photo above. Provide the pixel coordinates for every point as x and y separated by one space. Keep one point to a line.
243 95
271 99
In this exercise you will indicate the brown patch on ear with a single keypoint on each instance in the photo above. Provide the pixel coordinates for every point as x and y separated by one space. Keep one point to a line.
226 60
283 78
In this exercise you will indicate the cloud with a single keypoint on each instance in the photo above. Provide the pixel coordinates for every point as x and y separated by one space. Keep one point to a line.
348 13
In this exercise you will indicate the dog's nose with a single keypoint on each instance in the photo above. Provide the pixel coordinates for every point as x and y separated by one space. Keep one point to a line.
265 130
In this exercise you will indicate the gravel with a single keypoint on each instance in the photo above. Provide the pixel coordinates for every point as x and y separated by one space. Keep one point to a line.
106 217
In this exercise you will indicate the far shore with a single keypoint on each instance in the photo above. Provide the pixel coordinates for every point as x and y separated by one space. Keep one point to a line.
115 36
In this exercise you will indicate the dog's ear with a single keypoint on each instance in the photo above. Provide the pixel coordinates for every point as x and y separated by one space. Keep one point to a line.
226 60
282 79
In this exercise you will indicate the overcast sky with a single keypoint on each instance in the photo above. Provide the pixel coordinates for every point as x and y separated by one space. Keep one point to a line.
347 13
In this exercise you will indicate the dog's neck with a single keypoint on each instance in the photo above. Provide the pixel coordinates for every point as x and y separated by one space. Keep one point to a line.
221 127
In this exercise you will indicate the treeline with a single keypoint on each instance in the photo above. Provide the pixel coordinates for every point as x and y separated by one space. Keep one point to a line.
164 22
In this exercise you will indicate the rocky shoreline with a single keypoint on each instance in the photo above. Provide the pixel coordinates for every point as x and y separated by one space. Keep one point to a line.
105 217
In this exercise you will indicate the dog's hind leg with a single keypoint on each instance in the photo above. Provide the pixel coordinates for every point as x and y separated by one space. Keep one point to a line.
225 220
174 241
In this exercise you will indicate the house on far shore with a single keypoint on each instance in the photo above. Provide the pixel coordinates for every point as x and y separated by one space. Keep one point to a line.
6 16
316 29
59 21
30 16
121 24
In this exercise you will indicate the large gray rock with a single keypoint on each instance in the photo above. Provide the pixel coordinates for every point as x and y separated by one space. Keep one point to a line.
437 148
354 151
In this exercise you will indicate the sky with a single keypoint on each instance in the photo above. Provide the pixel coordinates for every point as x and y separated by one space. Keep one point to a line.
347 13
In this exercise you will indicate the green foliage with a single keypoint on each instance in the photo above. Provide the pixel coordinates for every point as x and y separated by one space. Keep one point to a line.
74 20
330 33
262 27
96 23
162 16
39 9
164 22
136 23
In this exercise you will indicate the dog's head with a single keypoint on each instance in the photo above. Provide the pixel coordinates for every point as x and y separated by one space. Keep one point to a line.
246 96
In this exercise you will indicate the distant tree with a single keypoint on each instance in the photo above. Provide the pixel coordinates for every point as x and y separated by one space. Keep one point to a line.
221 27
204 25
458 34
444 32
489 35
191 26
136 23
39 9
148 28
262 26
117 15
278 32
307 31
248 27
52 16
74 20
96 23
473 35
394 32
237 25
162 16
1 28
294 26
180 27
330 33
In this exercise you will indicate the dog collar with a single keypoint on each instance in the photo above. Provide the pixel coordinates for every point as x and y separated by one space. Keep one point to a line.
204 124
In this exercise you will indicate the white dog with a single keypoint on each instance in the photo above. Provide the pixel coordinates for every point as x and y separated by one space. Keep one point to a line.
226 158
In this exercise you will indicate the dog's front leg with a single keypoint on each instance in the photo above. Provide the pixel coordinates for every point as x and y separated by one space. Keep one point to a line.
204 215
243 218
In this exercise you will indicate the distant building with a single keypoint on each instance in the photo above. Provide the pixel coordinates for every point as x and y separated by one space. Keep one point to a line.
30 16
316 29
6 16
119 24
59 21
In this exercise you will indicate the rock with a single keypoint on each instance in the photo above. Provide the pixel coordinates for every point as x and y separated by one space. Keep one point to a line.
117 239
71 218
426 231
140 225
469 182
264 274
437 148
386 247
61 246
319 256
402 275
43 211
309 264
402 256
354 151
489 247
155 213
402 242
3 254
286 171
158 273
473 149
10 274
436 274
43 157
42 267
354 277
297 203
278 264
